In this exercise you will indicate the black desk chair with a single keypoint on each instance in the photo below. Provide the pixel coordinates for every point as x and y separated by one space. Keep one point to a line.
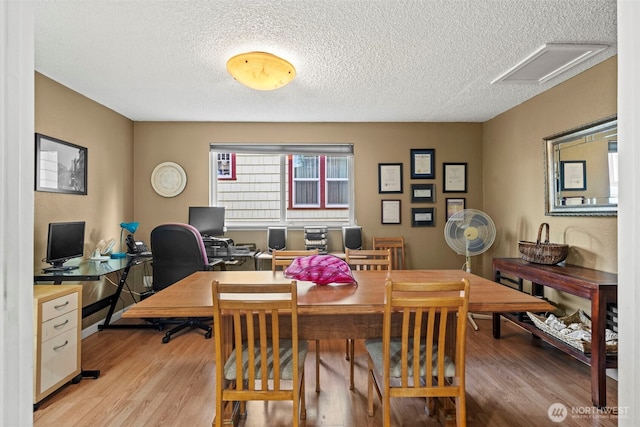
178 251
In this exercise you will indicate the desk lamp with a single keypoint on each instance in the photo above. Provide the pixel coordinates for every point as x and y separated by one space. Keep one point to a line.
131 227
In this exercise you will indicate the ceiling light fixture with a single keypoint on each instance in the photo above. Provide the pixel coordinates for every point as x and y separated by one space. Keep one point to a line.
261 70
548 61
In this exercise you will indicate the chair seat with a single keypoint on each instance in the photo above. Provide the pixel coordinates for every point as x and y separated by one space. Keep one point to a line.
374 347
286 361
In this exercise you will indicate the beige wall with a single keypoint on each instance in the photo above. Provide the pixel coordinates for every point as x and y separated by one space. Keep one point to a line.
64 114
188 144
504 156
514 170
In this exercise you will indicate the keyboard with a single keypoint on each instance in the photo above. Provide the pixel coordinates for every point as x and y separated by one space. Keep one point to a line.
143 253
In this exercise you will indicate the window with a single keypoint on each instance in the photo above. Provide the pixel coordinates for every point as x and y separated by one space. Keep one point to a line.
319 181
226 165
287 184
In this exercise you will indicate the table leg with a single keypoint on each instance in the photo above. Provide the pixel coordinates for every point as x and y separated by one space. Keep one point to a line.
598 350
496 325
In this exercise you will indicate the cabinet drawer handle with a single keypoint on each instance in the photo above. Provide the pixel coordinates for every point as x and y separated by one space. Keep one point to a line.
58 307
61 325
61 346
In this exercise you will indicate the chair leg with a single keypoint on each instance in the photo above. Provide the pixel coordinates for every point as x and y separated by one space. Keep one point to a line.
303 402
317 366
370 390
351 363
461 410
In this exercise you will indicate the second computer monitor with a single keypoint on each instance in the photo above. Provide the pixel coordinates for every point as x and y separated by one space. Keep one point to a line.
208 220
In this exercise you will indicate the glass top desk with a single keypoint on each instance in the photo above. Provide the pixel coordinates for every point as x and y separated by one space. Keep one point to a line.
88 270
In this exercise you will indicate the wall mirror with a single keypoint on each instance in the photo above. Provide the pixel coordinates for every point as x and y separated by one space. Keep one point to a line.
582 170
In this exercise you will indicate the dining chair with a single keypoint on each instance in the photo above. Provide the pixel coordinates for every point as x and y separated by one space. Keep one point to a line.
417 361
364 259
396 245
262 361
280 260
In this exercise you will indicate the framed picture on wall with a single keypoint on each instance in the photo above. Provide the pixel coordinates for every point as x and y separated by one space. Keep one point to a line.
423 217
573 175
455 205
423 163
390 212
454 178
389 177
61 167
423 193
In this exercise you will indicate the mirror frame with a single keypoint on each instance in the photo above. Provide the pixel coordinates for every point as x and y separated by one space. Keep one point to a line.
552 173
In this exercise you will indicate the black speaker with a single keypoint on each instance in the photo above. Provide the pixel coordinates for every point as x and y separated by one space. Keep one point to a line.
276 238
352 237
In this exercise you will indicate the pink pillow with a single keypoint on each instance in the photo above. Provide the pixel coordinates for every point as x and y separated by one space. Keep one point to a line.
320 269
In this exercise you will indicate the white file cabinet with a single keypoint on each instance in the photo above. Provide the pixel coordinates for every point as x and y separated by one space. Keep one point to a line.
57 324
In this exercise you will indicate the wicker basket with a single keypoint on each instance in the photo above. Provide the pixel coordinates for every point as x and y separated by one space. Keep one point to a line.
579 344
541 252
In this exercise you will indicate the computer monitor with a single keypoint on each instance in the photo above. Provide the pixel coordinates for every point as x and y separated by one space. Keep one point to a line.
208 220
64 242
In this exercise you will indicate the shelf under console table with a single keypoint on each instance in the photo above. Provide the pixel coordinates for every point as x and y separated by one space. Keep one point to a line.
599 287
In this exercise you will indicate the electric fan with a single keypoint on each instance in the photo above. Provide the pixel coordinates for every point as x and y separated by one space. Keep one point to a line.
469 232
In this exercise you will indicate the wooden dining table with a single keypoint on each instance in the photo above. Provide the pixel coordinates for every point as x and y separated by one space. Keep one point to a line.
334 311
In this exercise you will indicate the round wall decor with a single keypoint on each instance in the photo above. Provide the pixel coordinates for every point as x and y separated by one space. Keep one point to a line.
168 179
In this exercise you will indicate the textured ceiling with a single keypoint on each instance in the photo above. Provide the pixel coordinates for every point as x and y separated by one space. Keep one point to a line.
356 61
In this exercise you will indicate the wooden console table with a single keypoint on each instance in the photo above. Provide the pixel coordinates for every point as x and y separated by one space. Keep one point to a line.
600 287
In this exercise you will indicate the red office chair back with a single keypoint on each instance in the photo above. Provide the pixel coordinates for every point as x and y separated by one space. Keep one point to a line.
178 251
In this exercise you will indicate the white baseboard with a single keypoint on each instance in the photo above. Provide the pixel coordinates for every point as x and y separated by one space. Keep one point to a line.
90 330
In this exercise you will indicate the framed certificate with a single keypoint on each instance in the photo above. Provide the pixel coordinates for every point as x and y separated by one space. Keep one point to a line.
423 217
455 178
390 213
422 163
423 193
573 175
389 177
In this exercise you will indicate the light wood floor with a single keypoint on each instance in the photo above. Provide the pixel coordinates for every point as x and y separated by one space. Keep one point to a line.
510 382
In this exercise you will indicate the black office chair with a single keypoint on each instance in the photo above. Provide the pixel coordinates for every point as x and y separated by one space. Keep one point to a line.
178 251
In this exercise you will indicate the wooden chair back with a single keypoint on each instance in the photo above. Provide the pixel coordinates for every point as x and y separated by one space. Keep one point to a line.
396 246
280 260
261 347
368 259
427 357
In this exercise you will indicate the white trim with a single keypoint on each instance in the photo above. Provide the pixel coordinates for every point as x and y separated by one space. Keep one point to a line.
629 208
16 212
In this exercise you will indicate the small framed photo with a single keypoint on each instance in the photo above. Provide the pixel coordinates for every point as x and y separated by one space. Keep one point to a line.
390 212
389 177
423 193
61 167
423 217
454 178
573 175
455 205
423 163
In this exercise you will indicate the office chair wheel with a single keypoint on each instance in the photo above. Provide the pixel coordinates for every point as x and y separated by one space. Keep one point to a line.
208 334
166 339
